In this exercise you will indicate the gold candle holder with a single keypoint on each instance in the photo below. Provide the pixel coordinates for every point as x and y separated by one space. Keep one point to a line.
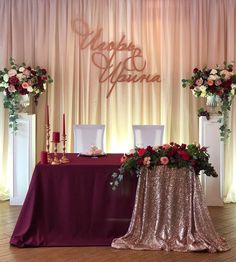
55 161
48 143
64 159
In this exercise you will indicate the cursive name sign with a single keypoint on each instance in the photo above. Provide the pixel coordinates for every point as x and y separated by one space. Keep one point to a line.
129 69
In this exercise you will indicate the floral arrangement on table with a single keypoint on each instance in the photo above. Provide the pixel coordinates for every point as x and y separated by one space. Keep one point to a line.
94 151
171 155
17 83
218 83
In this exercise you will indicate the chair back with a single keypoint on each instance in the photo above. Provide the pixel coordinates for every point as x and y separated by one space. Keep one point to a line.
86 136
148 135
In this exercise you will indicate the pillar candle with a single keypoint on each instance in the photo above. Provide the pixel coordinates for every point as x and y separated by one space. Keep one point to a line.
47 117
63 131
44 157
56 137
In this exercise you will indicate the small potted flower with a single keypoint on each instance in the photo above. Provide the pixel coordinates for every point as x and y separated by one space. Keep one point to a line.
218 85
18 83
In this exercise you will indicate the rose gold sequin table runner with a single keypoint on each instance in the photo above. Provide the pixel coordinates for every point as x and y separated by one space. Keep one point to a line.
170 213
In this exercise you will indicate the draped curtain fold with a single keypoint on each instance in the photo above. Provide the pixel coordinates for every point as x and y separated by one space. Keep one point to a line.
174 35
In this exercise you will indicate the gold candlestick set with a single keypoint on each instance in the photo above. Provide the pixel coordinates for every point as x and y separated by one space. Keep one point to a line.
55 160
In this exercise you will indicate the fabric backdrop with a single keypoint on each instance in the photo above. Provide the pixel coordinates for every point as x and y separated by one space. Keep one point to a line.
174 36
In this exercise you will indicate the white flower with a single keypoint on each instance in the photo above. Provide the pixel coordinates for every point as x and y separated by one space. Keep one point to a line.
44 86
36 91
4 93
202 88
21 69
213 72
20 76
213 77
3 84
30 89
131 151
6 77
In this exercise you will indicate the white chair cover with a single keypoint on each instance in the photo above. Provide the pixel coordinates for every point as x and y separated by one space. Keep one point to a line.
148 135
86 136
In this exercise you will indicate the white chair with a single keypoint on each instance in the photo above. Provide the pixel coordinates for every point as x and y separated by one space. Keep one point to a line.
86 136
148 135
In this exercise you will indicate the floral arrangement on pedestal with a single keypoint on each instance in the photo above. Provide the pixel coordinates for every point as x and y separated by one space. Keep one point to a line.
19 82
171 155
218 85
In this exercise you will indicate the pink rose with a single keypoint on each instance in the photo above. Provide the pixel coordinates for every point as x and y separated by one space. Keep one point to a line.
147 161
123 159
12 72
164 160
166 146
25 85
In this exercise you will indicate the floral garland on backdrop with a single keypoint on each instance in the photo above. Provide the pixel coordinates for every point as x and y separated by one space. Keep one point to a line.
19 82
218 83
171 155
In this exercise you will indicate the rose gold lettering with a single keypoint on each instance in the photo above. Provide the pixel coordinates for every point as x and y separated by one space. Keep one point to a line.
111 72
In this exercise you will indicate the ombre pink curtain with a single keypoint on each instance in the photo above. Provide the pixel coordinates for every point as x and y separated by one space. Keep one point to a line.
174 36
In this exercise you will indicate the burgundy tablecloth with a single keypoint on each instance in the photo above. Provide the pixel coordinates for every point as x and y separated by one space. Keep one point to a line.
73 204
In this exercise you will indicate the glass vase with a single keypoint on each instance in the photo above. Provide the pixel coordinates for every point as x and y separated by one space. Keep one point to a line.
213 104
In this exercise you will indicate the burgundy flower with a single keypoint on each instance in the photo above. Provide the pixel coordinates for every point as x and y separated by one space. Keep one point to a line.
140 161
183 146
220 92
227 84
13 80
44 72
195 70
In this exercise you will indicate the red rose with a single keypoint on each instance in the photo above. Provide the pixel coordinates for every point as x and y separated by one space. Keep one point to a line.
171 153
183 154
141 151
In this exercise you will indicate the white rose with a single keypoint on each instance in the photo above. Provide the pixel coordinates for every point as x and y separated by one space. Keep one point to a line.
20 76
36 91
213 77
30 89
21 69
202 88
213 72
6 77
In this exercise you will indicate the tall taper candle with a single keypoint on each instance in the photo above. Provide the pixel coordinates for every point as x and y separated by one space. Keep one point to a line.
63 131
47 117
